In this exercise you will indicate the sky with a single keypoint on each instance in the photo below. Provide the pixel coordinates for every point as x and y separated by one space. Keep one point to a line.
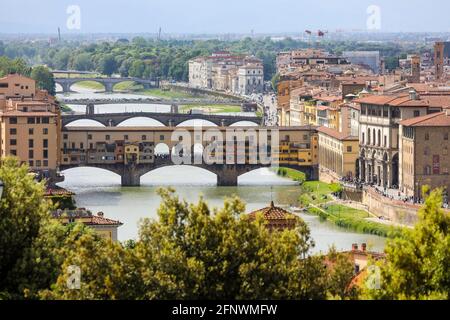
222 16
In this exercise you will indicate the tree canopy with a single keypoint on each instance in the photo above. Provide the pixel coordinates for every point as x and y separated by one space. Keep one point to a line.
417 263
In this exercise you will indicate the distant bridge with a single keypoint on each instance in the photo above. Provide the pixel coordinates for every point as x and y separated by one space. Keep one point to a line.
108 83
151 101
168 119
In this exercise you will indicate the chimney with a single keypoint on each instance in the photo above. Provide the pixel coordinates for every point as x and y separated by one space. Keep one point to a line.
413 95
447 111
363 246
354 247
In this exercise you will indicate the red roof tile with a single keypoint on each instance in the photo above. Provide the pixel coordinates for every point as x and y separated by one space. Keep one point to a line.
336 134
440 119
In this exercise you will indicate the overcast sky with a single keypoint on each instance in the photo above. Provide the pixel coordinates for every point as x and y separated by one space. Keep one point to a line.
221 16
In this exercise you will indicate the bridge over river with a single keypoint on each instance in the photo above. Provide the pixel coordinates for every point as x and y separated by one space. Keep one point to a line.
108 83
234 102
167 119
228 152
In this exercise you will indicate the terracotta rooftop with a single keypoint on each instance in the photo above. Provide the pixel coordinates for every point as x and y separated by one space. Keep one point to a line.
396 101
328 98
336 134
440 119
86 217
436 101
276 217
58 191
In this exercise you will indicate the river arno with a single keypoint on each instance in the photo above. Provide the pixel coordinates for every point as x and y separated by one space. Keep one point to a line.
100 190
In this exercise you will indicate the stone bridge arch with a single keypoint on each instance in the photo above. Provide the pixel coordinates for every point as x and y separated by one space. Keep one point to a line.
157 122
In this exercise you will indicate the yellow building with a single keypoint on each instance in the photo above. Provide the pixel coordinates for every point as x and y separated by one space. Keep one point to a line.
327 111
29 124
338 155
132 153
310 115
104 227
299 147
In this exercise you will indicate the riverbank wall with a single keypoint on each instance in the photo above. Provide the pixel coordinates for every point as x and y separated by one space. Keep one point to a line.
394 210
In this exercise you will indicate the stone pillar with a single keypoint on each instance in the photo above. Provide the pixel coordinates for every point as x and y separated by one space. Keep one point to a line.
227 177
367 172
108 86
65 86
389 175
130 177
90 109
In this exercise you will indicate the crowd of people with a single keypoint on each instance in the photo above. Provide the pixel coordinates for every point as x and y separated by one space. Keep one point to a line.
392 194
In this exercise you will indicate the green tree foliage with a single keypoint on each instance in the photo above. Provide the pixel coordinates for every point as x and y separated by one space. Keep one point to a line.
82 62
191 252
417 264
107 65
17 65
21 213
44 79
32 246
339 275
168 59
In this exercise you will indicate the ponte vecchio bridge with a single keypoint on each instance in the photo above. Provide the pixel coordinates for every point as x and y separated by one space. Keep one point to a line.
133 151
167 119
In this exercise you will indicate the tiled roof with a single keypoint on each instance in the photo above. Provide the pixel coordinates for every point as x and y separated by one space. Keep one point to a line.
440 119
87 217
328 98
58 191
336 134
436 101
100 220
397 101
273 213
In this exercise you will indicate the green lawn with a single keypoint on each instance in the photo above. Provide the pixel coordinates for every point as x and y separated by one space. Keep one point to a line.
128 86
353 219
291 174
90 85
317 192
170 94
211 109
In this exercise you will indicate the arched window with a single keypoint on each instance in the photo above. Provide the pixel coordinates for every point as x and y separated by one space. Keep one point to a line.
379 137
426 151
362 138
374 142
368 136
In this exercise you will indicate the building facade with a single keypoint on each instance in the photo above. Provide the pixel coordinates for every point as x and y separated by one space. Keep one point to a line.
29 124
379 135
104 227
425 147
338 154
224 71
